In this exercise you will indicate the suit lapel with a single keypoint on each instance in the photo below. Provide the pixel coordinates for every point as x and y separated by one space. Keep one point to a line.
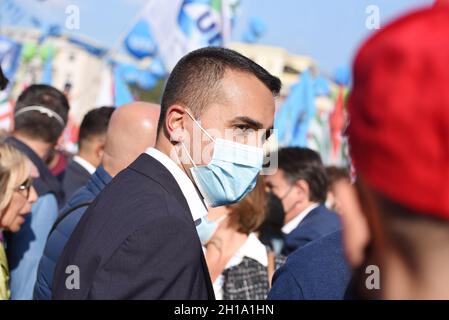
153 169
150 167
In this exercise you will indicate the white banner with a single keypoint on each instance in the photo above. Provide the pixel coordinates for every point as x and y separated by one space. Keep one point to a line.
180 26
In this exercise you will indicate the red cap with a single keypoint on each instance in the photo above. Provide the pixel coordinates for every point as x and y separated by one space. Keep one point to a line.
399 111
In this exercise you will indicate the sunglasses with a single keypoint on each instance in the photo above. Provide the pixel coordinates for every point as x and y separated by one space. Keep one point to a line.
25 187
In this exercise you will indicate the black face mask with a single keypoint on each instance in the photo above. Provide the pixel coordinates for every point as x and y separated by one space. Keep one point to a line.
271 230
275 211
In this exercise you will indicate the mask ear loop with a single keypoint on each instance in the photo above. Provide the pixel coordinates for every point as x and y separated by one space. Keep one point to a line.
287 193
285 196
187 153
197 123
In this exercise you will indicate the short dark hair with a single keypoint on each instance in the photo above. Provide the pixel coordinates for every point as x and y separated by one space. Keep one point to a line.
195 80
335 174
36 124
304 164
3 80
95 123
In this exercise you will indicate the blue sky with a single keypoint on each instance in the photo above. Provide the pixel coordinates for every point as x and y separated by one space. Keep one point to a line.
328 30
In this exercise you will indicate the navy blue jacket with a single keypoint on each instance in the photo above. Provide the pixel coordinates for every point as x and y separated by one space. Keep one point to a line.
75 177
62 232
317 271
318 223
137 240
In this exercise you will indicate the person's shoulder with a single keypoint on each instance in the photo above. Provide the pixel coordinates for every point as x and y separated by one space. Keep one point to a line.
135 180
330 241
131 199
72 168
325 252
319 268
324 211
80 196
321 220
132 188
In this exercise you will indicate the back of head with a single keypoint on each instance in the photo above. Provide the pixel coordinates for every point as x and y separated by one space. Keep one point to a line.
304 164
94 125
41 113
398 136
132 129
337 174
195 82
399 111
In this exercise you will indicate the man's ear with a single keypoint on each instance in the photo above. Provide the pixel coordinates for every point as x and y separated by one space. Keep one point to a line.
99 149
174 123
302 190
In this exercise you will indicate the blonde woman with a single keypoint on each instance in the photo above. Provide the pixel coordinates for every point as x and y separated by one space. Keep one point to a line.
16 197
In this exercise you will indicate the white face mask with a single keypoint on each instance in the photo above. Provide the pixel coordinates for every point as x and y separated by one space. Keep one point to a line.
231 174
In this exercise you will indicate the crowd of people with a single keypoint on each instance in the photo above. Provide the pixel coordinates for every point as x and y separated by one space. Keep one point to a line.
169 201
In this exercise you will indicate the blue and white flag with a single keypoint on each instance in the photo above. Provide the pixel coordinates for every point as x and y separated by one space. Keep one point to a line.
9 56
180 26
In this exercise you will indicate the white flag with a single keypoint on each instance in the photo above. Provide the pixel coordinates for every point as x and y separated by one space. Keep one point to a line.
180 26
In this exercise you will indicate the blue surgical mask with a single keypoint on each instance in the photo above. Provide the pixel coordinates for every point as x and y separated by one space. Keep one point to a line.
206 228
230 175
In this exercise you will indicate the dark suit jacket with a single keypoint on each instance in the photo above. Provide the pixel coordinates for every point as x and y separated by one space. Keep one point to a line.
316 271
136 241
75 177
318 223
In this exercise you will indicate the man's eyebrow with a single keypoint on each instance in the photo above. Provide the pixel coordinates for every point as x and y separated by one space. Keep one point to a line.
249 121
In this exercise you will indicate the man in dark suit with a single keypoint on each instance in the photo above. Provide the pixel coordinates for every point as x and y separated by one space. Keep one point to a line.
301 184
138 239
91 141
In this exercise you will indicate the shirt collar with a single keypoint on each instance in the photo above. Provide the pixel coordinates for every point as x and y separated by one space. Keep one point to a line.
195 203
98 180
253 249
85 164
294 223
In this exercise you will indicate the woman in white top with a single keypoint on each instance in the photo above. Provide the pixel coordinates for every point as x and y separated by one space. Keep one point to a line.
240 266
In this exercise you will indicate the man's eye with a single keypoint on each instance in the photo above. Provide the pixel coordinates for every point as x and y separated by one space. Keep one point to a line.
242 127
241 130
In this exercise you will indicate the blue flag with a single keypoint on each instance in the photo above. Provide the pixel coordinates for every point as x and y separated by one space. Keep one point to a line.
122 94
293 118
